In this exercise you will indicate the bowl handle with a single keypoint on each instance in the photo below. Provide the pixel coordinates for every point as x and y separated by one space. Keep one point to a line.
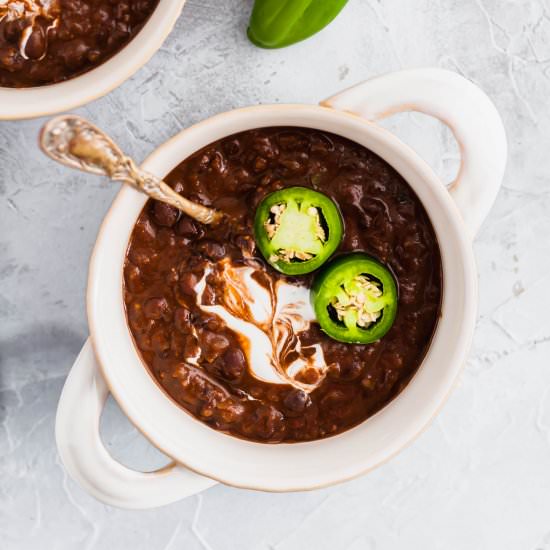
88 462
459 104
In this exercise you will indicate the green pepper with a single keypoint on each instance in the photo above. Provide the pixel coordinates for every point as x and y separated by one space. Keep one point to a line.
297 229
280 23
355 299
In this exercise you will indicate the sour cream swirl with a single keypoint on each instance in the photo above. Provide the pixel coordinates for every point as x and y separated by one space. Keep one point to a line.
268 317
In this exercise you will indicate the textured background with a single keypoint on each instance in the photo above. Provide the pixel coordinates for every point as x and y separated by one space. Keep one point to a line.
479 478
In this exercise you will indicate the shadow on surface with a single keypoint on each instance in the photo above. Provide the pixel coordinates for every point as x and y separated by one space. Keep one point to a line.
43 352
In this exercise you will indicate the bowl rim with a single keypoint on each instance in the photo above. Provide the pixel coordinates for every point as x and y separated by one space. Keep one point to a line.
25 103
146 407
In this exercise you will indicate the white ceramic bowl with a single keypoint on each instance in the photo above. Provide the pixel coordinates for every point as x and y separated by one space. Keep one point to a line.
21 103
455 215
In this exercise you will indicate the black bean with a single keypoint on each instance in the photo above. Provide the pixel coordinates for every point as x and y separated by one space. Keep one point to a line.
296 401
73 53
187 283
219 164
232 147
145 230
13 30
36 43
212 249
212 344
266 147
188 228
234 364
165 214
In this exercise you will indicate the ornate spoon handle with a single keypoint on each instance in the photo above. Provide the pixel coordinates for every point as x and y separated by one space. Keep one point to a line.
75 142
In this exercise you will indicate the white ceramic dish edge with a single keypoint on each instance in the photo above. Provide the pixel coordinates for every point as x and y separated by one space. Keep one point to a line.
480 133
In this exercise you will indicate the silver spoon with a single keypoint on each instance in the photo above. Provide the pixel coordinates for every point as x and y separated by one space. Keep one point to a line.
75 142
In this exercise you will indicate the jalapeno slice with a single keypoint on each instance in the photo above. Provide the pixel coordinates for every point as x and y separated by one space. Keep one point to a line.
355 299
297 229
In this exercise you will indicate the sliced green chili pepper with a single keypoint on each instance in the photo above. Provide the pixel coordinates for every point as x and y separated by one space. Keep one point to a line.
355 299
297 229
280 23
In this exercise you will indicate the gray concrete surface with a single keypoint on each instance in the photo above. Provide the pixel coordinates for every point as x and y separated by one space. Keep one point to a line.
479 477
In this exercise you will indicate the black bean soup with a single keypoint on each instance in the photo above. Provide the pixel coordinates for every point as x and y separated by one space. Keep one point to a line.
48 41
169 252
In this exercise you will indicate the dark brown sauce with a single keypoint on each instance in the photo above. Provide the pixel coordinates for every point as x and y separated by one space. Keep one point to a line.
75 37
169 252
